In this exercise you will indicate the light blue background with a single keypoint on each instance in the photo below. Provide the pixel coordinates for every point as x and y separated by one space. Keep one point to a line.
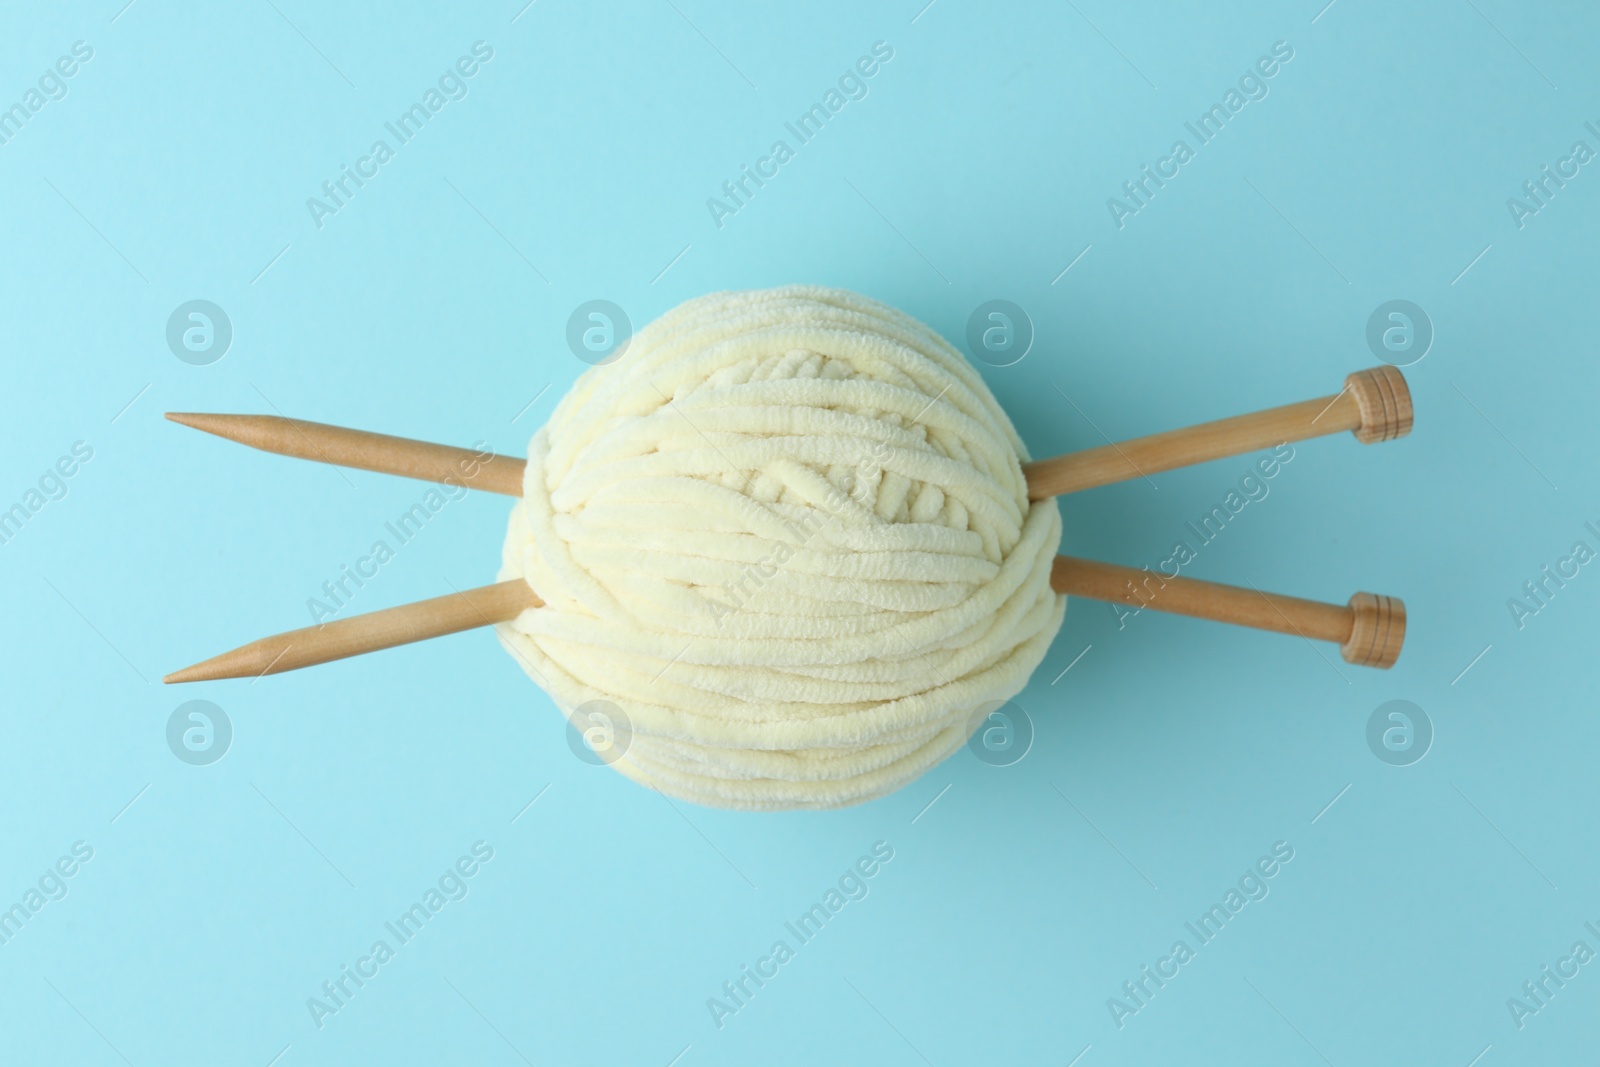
1170 757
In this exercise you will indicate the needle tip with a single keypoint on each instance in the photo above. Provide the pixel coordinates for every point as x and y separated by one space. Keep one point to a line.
195 419
210 670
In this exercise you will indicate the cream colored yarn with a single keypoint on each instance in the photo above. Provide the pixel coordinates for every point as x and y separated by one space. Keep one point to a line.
787 534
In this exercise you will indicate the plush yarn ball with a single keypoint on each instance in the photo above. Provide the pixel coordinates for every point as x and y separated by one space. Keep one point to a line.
787 536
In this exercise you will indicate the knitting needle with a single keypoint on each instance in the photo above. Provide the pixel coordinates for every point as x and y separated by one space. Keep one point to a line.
364 450
1375 405
1369 630
342 638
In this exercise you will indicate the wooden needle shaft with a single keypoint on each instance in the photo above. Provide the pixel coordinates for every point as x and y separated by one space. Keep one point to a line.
1369 630
1200 599
342 638
364 450
1374 404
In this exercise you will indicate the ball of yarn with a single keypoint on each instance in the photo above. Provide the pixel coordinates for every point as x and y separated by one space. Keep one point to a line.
787 535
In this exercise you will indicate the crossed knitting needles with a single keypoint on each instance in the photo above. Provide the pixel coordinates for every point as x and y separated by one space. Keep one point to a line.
1374 404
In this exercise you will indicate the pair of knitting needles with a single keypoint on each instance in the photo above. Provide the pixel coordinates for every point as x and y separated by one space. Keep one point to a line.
1374 404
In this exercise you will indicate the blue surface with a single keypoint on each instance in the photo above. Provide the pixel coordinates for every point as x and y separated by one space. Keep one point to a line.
1375 164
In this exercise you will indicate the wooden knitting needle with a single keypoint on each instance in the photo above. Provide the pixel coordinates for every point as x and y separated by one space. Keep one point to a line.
364 450
376 630
1374 404
1369 630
